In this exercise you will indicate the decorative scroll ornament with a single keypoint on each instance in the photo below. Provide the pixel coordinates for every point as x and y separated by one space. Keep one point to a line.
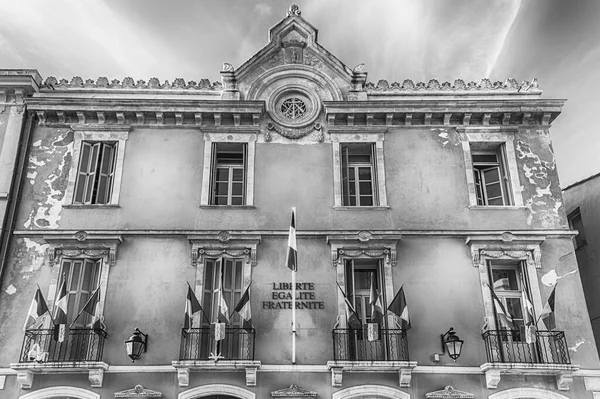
138 392
227 67
510 85
295 134
128 83
294 11
359 68
449 393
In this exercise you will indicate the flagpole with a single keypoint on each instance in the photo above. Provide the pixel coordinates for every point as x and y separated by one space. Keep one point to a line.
293 317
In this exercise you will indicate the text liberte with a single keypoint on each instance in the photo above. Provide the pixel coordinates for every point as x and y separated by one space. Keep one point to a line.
282 297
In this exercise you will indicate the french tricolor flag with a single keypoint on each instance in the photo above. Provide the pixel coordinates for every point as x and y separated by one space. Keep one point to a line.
292 249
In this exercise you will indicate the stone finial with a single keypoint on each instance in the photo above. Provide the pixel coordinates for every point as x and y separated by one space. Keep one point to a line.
227 67
294 11
359 68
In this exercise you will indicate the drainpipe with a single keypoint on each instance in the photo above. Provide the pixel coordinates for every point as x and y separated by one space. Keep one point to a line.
16 185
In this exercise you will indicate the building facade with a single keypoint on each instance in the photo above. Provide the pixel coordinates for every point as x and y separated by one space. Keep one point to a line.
581 199
131 190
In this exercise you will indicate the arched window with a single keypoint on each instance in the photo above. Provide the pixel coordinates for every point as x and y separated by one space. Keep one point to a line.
526 393
370 392
217 391
61 393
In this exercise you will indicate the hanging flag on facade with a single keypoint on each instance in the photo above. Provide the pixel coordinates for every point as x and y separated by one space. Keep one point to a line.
351 315
375 302
223 309
60 317
243 309
399 307
547 314
37 309
372 332
192 305
292 249
92 307
219 331
530 330
505 318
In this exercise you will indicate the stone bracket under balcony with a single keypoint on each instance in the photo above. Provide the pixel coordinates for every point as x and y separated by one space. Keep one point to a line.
26 371
562 372
184 368
403 368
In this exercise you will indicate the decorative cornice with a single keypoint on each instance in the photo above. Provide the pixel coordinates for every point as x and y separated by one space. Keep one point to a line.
459 85
128 83
224 243
83 244
363 244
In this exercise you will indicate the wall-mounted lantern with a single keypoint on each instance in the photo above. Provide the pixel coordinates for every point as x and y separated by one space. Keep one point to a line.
137 343
452 344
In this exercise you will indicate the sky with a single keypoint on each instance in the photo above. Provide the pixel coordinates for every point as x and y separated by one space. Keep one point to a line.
555 41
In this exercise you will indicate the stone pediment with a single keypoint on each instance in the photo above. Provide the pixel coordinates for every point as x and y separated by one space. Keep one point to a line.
293 392
293 51
138 392
449 393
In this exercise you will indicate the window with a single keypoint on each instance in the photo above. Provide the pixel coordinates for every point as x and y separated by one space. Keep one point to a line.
95 178
491 169
229 174
358 174
575 223
226 273
82 277
491 178
508 283
359 275
96 173
358 169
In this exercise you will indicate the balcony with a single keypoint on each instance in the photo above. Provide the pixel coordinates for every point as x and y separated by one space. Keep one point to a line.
81 351
200 344
199 351
352 351
508 352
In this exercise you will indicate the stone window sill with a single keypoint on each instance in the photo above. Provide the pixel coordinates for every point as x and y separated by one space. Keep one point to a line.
361 208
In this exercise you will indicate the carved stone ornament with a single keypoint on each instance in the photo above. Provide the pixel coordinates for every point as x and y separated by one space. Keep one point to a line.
224 243
449 393
227 67
293 392
364 236
138 392
506 245
295 133
361 245
294 11
83 244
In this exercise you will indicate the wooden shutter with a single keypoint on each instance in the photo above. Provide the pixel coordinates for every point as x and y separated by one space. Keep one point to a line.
507 192
85 175
345 176
105 178
82 279
374 186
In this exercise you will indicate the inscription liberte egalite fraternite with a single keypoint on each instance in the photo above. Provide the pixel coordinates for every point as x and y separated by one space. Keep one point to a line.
281 297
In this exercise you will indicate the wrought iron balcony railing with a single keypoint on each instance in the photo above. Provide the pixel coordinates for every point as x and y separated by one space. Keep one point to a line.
200 344
79 345
351 344
504 346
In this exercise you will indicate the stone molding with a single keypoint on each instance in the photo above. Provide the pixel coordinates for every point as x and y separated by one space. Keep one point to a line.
458 86
250 368
293 392
128 83
363 244
212 389
533 393
449 393
61 391
381 391
138 392
563 373
403 368
224 243
506 245
26 371
83 244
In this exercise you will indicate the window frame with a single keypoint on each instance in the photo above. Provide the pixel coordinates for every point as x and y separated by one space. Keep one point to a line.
501 141
100 134
209 168
576 214
376 139
230 167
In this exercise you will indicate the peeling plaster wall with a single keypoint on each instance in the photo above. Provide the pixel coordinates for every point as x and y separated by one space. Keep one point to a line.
586 197
27 266
539 179
46 179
